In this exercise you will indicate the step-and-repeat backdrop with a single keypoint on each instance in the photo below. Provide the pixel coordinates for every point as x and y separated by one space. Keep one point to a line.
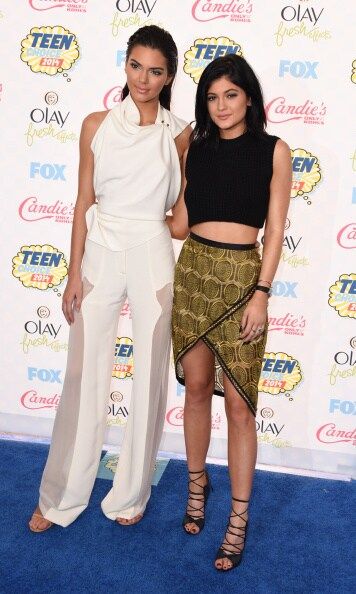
62 59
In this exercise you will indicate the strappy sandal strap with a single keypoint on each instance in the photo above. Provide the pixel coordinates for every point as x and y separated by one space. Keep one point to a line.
235 532
193 496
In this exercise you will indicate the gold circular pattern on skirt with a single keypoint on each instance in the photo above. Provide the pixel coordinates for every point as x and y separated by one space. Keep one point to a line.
200 304
212 287
231 293
203 263
182 299
223 270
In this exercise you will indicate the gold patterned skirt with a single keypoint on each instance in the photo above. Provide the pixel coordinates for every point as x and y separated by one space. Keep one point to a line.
213 284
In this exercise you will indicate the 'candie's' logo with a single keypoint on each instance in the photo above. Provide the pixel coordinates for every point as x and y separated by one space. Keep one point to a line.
33 401
342 296
31 209
329 433
208 10
39 266
77 6
346 237
306 172
112 97
205 51
280 373
281 110
123 360
49 50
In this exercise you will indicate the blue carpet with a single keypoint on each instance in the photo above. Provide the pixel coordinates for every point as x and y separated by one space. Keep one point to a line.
300 537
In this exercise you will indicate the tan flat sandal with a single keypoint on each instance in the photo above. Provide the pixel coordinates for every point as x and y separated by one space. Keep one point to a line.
34 515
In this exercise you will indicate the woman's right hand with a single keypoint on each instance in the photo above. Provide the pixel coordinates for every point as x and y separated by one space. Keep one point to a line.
72 297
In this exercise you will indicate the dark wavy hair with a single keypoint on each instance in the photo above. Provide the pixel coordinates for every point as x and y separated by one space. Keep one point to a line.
156 38
240 73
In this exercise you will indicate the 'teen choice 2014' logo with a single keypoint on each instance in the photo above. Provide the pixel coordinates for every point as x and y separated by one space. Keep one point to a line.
39 266
49 50
342 296
306 173
208 10
123 361
281 373
205 51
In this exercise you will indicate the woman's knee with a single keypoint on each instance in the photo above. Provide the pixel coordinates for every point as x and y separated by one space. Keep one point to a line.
198 389
238 412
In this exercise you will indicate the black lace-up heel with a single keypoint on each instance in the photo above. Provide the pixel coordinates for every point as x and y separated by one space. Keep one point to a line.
202 497
235 556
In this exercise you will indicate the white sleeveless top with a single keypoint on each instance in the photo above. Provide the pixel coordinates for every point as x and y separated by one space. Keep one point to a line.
136 176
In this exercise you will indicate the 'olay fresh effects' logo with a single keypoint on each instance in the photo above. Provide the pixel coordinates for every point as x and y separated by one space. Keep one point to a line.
49 121
281 110
41 331
301 20
344 366
133 14
233 10
143 7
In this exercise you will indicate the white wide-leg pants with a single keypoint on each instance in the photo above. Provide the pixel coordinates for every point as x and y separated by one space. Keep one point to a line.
144 274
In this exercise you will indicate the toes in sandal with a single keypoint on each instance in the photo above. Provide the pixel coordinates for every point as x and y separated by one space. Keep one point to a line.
202 498
235 556
50 524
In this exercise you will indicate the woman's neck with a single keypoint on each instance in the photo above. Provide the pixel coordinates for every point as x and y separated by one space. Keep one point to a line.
148 111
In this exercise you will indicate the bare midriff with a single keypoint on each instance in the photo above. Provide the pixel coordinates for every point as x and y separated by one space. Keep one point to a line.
226 232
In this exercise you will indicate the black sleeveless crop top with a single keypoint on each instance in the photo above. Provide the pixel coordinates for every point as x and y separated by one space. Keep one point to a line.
230 181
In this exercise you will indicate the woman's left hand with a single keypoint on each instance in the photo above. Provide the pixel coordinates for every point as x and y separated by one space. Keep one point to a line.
254 317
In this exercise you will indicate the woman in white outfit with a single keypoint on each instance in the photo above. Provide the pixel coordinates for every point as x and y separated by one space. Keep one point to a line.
129 177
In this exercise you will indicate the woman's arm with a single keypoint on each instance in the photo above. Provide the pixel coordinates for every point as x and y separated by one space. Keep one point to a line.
255 314
178 221
72 296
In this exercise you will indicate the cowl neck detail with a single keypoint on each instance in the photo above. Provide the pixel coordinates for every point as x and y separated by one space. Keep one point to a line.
128 114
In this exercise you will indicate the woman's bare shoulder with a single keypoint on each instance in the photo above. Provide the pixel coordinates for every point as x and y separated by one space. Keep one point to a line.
90 126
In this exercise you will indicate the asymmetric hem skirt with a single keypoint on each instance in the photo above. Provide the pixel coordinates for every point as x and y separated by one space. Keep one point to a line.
213 285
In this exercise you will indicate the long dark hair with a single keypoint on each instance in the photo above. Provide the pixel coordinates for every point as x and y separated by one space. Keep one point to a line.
156 38
240 73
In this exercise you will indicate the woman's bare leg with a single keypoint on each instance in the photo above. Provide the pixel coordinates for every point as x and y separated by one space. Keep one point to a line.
242 451
198 366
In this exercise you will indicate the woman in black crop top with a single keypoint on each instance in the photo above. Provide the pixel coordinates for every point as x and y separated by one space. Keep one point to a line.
237 178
